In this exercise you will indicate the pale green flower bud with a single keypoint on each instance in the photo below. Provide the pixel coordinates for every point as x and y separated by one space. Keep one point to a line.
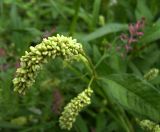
73 108
152 74
149 126
20 121
32 61
101 20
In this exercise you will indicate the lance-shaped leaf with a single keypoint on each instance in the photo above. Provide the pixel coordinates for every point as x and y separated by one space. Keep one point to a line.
106 29
134 94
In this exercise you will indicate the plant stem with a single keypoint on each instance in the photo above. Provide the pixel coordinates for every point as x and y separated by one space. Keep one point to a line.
90 82
91 65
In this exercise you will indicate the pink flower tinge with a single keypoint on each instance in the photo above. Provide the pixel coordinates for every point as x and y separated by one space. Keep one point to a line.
134 28
135 31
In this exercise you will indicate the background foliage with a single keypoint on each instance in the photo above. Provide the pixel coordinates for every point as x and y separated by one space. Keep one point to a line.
121 94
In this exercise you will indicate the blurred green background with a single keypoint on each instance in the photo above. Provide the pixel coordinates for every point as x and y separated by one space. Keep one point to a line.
97 24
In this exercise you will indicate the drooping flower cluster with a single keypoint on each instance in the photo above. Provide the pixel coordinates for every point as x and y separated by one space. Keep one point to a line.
73 108
32 61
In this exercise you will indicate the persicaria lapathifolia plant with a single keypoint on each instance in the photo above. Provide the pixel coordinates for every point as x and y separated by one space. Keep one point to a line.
73 108
32 62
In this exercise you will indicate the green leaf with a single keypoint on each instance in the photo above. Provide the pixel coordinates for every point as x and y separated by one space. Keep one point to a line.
100 123
5 124
106 29
152 33
81 125
96 53
134 94
148 59
142 10
96 7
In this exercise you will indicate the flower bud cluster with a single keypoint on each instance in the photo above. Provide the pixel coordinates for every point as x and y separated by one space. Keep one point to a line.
149 126
32 61
73 108
152 74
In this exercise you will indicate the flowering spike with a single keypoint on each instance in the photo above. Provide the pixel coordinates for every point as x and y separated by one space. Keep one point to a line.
72 109
32 61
